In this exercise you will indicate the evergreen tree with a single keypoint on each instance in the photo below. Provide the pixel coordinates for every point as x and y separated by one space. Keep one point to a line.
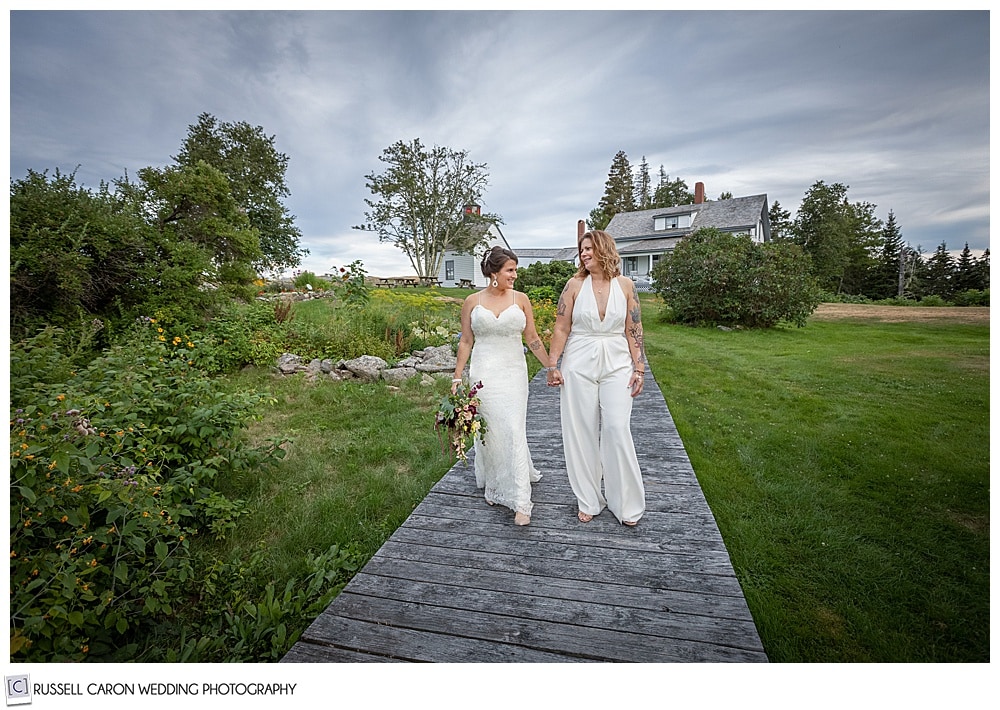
643 188
670 193
884 278
966 273
939 274
781 222
619 193
983 271
727 195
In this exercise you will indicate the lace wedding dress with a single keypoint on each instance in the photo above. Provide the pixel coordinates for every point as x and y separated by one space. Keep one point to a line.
503 462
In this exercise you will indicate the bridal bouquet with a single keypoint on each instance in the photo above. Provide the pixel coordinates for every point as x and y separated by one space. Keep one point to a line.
459 419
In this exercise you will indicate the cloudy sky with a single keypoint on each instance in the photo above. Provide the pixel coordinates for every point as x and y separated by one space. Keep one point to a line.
893 104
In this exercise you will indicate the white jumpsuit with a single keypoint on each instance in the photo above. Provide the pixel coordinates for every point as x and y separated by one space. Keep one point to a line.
596 407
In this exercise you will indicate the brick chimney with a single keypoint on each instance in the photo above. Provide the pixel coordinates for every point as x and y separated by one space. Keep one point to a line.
581 228
472 209
699 193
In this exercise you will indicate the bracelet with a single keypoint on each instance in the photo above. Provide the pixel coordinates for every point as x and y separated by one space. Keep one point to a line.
457 379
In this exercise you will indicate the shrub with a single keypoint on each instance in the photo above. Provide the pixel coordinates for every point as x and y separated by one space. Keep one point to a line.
112 471
241 334
542 293
972 297
933 300
554 274
714 277
308 278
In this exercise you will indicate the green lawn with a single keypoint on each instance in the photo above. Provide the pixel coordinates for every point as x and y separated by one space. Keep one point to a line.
847 465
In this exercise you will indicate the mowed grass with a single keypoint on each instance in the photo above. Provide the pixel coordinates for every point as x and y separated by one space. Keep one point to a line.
847 465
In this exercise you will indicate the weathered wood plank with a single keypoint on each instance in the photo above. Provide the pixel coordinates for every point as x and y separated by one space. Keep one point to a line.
459 582
542 607
394 641
669 601
624 643
623 570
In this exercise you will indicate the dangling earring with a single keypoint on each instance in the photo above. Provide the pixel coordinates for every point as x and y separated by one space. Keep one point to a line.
495 284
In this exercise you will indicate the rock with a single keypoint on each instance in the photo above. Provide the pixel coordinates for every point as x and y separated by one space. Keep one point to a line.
398 374
288 363
367 367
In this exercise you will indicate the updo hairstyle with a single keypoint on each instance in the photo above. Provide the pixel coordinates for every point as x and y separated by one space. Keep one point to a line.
494 259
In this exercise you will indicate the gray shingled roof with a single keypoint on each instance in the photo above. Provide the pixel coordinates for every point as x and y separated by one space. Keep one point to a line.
728 215
556 254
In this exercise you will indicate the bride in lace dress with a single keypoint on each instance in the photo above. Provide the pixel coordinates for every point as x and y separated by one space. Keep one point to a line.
494 322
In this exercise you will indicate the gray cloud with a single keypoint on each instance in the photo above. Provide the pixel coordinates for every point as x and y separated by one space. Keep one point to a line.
893 104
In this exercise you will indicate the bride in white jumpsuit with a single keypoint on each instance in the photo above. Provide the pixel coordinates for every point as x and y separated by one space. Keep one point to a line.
598 334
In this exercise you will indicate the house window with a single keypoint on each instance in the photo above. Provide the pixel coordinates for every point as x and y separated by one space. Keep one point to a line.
676 221
449 271
631 265
661 223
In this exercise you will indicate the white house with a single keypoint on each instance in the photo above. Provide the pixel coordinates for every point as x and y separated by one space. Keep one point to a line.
461 269
644 236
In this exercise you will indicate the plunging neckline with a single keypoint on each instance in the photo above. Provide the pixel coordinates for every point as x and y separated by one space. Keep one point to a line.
496 316
593 294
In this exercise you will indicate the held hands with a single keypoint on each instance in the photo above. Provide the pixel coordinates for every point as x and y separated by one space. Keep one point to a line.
553 378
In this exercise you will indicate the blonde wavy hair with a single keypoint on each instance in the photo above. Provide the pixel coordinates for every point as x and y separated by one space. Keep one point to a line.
605 253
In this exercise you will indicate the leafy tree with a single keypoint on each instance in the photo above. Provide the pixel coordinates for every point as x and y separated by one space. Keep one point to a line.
862 247
643 187
421 202
204 245
256 173
838 236
670 193
719 278
554 274
781 222
619 193
725 195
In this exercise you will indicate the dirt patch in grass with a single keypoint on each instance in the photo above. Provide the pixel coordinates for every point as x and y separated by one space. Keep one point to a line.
901 314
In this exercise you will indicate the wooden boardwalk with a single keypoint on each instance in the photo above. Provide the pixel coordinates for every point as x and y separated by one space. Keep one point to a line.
459 582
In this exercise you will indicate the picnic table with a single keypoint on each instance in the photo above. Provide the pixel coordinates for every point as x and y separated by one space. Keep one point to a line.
465 283
393 281
430 281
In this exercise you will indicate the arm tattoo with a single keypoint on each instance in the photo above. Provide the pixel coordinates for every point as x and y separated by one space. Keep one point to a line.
636 332
635 312
561 308
535 344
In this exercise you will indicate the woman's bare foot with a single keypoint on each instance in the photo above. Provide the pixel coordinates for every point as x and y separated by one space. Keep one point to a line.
521 519
584 517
